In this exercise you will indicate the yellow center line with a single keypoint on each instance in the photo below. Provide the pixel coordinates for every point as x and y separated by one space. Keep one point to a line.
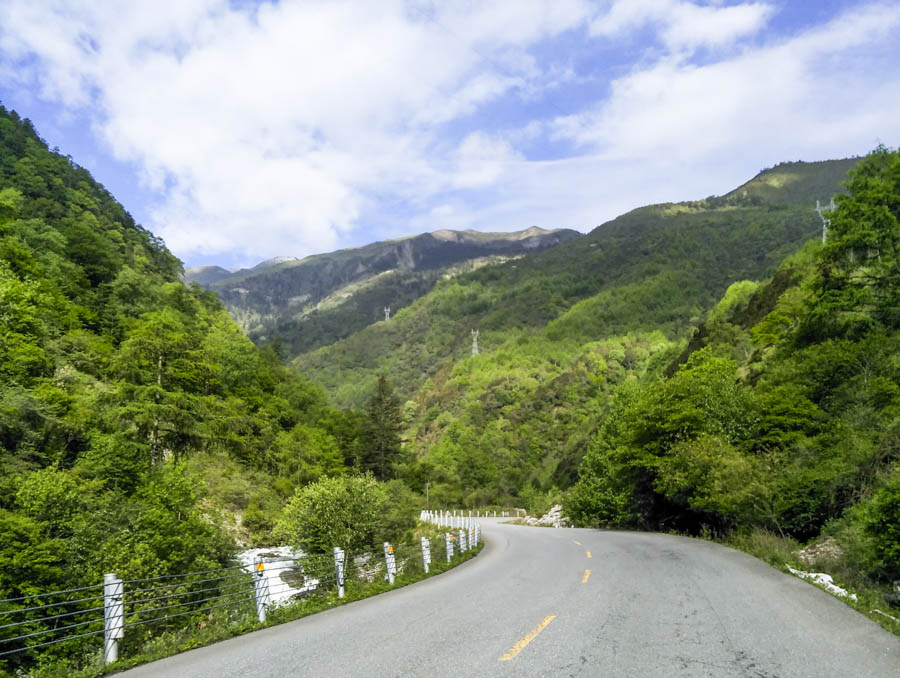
518 647
587 575
588 553
577 542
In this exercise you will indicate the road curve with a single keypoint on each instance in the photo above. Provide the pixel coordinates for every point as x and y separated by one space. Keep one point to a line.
651 605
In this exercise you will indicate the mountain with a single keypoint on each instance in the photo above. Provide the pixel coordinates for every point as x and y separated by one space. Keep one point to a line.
656 268
561 333
205 276
311 302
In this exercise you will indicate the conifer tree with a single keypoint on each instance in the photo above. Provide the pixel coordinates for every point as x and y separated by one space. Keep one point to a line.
381 443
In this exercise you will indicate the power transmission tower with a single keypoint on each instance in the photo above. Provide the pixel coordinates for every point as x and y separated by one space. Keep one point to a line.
387 313
825 221
474 342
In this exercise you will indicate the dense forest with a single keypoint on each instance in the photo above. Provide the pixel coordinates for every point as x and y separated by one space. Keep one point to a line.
140 431
783 413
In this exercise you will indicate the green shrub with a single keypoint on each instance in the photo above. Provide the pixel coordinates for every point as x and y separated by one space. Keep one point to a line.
353 512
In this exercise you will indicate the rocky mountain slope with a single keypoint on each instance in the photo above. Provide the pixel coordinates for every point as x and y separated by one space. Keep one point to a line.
306 303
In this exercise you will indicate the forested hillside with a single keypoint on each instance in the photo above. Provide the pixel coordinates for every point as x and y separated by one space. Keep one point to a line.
655 268
783 414
140 431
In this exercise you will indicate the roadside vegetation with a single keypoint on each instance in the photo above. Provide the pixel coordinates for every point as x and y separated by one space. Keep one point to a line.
782 417
140 432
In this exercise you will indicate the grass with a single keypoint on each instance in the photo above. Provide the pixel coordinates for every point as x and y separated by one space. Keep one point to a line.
781 552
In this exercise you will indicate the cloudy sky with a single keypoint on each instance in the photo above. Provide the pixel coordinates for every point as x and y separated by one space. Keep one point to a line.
244 130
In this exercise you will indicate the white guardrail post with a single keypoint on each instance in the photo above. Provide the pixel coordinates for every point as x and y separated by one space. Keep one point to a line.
449 538
339 570
462 540
261 590
113 613
426 553
390 562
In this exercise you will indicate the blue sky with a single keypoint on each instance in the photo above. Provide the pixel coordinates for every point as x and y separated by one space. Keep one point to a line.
239 131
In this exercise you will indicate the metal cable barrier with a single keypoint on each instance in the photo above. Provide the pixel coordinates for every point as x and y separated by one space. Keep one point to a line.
130 612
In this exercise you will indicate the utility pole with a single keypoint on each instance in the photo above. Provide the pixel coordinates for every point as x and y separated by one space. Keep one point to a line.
825 222
474 342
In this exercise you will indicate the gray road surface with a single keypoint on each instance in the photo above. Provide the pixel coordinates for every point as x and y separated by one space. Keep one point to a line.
652 605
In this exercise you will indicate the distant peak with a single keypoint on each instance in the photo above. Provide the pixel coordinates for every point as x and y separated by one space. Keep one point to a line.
201 269
470 234
274 261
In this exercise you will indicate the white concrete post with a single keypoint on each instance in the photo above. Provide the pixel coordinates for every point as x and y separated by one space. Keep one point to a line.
339 570
449 538
261 590
426 553
390 562
113 617
462 541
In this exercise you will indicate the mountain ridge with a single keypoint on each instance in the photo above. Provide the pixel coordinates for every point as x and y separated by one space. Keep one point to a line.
270 300
673 259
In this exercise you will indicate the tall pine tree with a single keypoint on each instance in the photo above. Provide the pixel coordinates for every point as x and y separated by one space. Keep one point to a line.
381 444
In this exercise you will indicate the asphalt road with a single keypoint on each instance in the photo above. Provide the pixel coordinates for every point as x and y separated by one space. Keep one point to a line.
651 605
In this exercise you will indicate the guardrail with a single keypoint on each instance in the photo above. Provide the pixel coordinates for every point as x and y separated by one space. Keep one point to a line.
138 609
454 517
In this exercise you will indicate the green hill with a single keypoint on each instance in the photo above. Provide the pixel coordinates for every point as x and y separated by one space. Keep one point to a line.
780 420
657 267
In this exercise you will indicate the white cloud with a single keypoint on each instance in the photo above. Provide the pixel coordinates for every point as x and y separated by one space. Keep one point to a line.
672 130
268 131
288 128
786 95
482 159
681 24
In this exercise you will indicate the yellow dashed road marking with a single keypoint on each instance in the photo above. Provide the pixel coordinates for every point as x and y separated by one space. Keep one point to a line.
577 542
518 647
587 575
588 554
